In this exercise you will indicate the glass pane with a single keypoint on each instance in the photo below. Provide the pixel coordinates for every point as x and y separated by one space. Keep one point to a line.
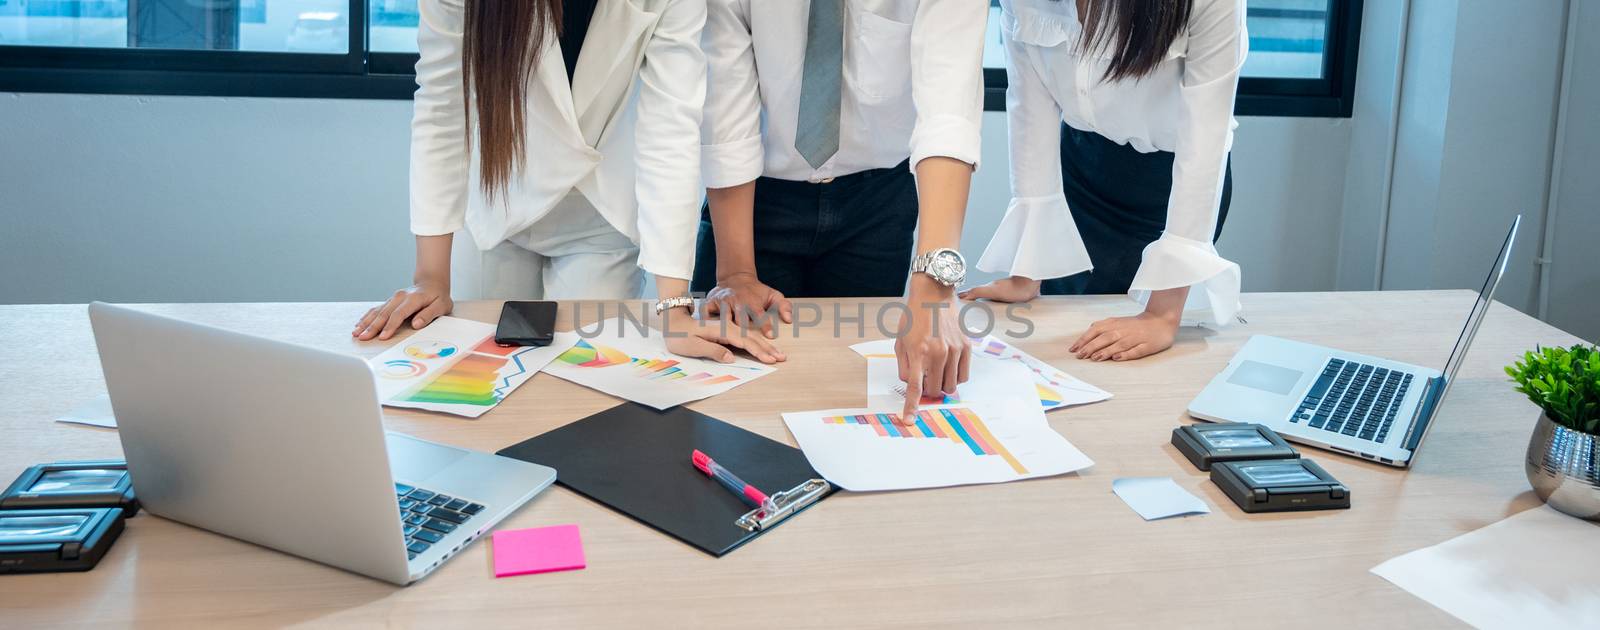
319 26
1287 38
994 52
394 26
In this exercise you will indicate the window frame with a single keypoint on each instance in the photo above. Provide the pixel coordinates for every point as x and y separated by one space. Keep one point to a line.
362 74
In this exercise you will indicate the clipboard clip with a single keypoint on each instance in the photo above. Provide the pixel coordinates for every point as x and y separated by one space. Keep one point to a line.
784 504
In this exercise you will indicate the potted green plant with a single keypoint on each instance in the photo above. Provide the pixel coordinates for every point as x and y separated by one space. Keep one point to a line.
1564 453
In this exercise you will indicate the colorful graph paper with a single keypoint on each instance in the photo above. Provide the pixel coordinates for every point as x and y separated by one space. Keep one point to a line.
454 366
958 425
588 355
471 381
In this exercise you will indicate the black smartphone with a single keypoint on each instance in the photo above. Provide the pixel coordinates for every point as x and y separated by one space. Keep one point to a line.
526 324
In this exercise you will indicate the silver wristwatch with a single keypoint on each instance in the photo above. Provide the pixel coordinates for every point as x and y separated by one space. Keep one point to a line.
946 266
684 301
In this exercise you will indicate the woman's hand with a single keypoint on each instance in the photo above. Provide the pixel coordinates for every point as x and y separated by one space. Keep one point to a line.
691 337
422 302
1129 338
744 300
1012 289
933 351
1126 338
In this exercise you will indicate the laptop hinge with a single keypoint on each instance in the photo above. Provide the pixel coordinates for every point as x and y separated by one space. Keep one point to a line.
1424 416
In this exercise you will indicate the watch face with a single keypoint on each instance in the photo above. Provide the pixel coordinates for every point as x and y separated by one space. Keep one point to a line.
948 267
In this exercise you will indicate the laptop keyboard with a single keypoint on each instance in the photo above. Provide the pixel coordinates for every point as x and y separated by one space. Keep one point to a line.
427 516
1354 399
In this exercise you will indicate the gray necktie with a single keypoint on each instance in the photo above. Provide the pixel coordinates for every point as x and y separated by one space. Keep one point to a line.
817 132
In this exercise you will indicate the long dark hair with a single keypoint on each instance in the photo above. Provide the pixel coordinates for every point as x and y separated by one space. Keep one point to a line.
500 49
1136 32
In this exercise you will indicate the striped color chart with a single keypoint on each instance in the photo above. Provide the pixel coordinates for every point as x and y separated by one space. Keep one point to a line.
671 370
588 355
470 381
958 425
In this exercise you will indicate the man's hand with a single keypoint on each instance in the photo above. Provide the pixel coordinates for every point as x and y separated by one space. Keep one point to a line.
690 337
933 351
742 299
1012 289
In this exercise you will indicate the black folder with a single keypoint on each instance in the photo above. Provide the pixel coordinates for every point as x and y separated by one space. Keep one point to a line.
636 460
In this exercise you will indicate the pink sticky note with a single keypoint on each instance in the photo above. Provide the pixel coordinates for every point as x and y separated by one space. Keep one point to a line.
537 550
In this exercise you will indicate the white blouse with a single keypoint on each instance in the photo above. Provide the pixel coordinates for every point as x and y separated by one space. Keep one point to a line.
913 86
1185 106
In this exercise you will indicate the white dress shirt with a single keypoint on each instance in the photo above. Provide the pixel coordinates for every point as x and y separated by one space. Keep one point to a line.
624 134
1185 106
912 86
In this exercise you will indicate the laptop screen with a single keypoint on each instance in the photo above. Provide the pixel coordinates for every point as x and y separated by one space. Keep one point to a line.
1458 354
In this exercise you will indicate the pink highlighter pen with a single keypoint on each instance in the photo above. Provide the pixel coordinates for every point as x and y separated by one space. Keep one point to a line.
748 493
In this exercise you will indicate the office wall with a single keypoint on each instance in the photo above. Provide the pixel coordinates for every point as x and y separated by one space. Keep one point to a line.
1573 295
129 198
143 199
1477 134
1452 137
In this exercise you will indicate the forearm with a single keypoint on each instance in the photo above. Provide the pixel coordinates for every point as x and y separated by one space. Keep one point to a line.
433 259
733 225
942 187
669 287
1167 304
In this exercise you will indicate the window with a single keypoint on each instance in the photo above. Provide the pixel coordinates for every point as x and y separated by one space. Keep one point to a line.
211 47
1302 59
317 26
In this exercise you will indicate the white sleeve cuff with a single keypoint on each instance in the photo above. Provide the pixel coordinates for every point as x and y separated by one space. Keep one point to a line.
667 235
1037 239
424 225
732 163
1173 261
946 136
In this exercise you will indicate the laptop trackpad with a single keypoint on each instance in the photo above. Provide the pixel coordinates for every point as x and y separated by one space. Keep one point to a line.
1266 377
416 460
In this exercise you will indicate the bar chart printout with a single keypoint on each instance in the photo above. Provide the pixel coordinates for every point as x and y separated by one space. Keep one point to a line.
639 368
945 445
959 425
454 366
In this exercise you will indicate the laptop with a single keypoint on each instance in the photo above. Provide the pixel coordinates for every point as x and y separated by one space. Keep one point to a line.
1350 403
283 445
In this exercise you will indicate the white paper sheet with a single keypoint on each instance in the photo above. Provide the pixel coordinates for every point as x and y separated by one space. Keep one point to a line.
1006 386
1157 497
622 363
454 366
951 445
95 412
1055 389
1538 569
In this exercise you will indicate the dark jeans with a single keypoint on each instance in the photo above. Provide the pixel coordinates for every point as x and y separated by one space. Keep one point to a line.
851 237
1118 198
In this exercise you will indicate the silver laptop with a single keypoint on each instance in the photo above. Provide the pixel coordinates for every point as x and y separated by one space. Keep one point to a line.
283 445
1346 402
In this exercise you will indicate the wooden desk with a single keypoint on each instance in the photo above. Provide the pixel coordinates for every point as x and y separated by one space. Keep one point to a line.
1042 552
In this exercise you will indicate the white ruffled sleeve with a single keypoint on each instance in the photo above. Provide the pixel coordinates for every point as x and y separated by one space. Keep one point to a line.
1174 261
1184 256
1037 238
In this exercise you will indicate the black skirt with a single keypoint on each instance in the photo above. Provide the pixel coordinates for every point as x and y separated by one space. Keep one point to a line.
1118 198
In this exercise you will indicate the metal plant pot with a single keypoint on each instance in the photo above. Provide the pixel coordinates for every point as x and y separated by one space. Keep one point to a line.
1564 468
